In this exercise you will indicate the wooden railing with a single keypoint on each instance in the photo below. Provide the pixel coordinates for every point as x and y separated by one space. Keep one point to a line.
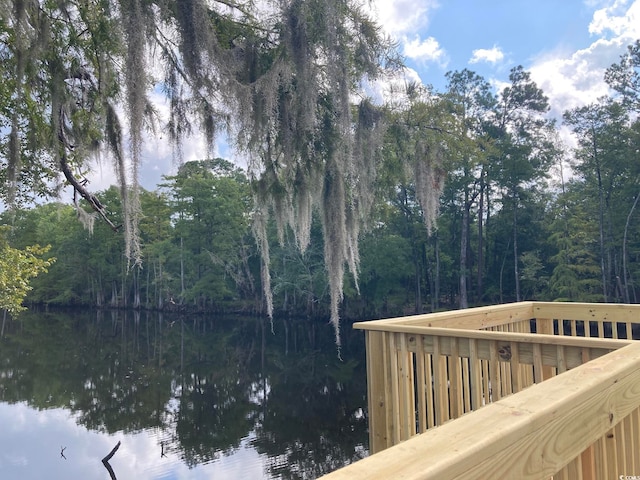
583 424
425 370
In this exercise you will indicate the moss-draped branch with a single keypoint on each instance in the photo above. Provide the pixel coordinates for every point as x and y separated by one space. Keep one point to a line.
281 77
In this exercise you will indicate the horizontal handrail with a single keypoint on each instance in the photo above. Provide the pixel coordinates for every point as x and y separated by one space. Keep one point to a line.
495 315
608 312
529 435
477 317
585 342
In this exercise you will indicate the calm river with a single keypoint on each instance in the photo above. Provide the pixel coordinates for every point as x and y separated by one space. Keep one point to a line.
187 397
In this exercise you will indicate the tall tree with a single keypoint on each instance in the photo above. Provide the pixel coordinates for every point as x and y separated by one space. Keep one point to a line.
526 148
421 129
602 164
210 201
471 101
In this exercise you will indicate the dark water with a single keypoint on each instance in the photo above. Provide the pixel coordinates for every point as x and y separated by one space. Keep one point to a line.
186 397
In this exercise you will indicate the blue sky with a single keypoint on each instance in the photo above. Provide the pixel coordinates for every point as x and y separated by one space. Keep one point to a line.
502 33
565 44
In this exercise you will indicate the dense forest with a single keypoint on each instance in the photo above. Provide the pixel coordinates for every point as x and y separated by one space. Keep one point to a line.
521 216
350 205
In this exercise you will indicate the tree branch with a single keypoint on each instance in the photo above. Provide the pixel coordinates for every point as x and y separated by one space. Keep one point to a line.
84 193
78 186
105 461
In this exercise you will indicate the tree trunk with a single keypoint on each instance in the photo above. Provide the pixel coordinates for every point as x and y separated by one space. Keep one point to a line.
437 276
603 269
418 291
516 269
487 225
464 241
114 294
159 290
480 276
624 251
182 290
136 288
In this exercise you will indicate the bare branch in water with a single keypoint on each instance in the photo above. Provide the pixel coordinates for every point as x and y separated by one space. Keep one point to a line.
105 461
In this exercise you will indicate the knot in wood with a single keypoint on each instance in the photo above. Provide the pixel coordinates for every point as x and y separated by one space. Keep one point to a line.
505 352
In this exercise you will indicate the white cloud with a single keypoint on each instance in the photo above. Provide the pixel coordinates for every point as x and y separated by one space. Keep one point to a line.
399 17
498 84
428 50
489 55
619 19
574 79
577 79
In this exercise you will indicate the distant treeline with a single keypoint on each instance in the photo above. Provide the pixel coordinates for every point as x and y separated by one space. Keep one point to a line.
521 216
199 252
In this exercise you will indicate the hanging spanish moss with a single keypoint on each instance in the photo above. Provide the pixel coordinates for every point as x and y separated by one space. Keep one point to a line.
136 102
281 77
298 131
422 133
428 175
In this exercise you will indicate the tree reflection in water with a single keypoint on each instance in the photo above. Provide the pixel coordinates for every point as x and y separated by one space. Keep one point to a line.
205 383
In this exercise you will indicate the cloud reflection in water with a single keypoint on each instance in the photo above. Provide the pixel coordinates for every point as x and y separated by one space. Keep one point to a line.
31 441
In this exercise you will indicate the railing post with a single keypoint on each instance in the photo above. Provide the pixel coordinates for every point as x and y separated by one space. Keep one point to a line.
377 362
545 327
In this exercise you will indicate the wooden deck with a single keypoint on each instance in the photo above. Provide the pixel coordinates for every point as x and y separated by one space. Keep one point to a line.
496 372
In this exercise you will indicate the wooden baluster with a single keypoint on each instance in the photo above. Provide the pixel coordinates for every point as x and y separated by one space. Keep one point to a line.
475 375
516 378
494 364
455 380
611 453
561 359
406 399
545 327
423 386
430 382
538 369
395 391
486 391
466 379
633 447
588 464
441 399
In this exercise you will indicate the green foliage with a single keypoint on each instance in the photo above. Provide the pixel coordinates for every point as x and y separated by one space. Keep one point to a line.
608 185
387 270
209 203
17 268
279 80
624 76
533 278
507 228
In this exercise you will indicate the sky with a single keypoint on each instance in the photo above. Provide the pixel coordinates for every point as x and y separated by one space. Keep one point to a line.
565 44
